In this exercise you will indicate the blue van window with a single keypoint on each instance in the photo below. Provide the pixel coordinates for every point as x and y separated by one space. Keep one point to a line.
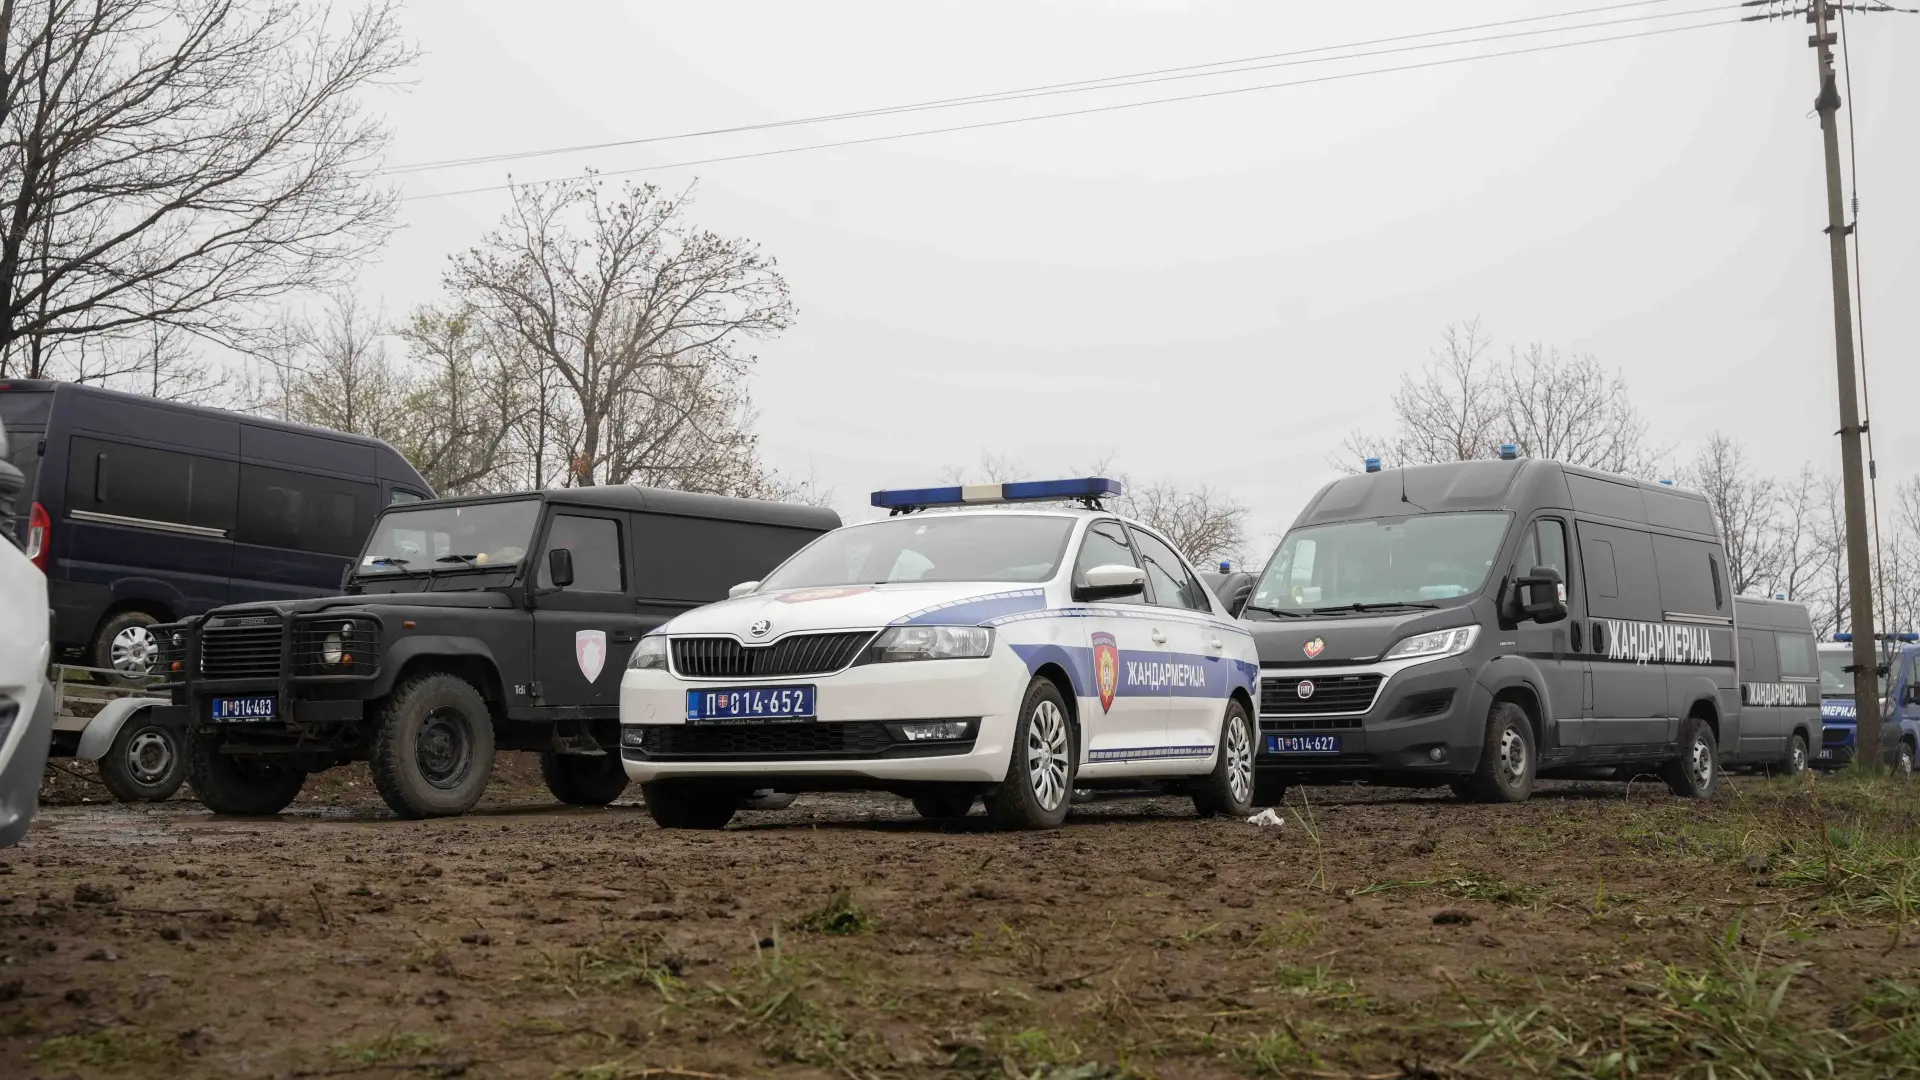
145 484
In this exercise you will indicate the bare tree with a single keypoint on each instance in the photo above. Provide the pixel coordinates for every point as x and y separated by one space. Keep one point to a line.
1449 413
1804 554
343 377
1744 503
175 161
638 318
1205 523
466 404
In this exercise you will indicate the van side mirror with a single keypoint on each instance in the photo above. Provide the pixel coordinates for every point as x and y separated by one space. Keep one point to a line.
1110 582
560 567
1542 595
742 589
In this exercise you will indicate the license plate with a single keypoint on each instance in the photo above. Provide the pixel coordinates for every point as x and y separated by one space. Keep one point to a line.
754 703
243 708
1825 755
1303 744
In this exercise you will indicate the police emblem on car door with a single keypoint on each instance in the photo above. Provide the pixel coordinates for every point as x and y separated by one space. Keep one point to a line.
1106 668
590 651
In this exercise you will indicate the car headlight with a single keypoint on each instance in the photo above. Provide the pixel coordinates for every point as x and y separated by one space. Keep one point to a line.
1434 644
931 643
332 651
650 654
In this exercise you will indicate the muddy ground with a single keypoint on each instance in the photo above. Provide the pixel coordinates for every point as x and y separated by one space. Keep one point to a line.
1595 931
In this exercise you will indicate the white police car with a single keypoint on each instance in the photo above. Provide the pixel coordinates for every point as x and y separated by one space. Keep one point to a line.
944 655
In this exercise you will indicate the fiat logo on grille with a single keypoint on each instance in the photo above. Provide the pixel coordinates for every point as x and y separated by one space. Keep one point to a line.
1305 689
760 628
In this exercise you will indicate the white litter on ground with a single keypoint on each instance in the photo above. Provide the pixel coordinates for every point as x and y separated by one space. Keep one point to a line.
1267 817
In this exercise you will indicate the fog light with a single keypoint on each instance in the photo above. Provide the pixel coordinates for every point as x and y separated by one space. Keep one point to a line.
1437 753
633 736
945 729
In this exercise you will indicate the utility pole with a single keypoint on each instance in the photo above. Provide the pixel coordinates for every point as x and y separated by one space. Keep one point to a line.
1866 645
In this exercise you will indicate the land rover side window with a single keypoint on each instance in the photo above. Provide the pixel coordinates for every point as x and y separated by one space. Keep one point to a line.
1796 655
595 544
1420 559
303 511
1172 585
1106 545
150 485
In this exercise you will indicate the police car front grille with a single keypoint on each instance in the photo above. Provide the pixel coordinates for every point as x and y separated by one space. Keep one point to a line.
241 647
795 654
1327 695
766 742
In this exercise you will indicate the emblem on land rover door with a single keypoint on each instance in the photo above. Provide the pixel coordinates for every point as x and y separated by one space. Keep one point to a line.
1305 689
1313 649
590 650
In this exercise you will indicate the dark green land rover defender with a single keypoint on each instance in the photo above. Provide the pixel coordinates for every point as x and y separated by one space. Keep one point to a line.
467 626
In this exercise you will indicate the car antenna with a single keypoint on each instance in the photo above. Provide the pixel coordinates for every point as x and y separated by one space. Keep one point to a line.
1402 470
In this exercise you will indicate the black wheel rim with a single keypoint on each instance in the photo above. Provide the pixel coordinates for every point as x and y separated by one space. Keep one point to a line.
443 749
150 756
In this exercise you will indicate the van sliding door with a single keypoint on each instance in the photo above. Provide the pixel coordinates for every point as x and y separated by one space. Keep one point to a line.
1628 639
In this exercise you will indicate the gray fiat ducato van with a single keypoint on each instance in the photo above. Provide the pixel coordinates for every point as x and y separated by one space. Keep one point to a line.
1779 688
1484 623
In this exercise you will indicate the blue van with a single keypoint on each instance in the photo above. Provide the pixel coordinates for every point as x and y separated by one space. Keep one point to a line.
1899 702
142 511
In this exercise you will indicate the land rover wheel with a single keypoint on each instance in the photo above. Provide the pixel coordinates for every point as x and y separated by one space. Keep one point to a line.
1507 759
251 784
146 762
1039 783
944 805
432 747
689 806
581 780
1903 760
1695 773
1797 757
124 645
1229 788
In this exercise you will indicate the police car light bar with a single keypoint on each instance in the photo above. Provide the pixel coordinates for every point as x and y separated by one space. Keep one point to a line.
1087 489
1907 635
1509 451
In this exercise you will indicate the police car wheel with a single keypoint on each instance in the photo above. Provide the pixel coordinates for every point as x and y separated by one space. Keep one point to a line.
1695 773
582 779
239 784
1038 787
433 747
1507 759
1797 756
1228 789
689 806
944 805
145 762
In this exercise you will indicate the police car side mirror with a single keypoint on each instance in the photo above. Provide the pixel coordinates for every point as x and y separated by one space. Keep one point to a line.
1111 582
560 567
742 589
1543 595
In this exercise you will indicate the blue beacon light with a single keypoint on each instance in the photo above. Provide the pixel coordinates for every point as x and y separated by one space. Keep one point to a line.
1086 488
1373 464
1509 451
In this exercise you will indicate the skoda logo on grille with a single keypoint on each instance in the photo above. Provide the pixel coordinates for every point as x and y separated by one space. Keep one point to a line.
760 628
1305 689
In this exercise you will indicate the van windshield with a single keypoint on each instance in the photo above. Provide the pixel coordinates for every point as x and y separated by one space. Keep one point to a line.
494 535
1835 680
1422 560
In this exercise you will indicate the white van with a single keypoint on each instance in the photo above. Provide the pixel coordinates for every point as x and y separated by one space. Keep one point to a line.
26 702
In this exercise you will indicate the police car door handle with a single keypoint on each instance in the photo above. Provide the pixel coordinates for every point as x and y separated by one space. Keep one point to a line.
1158 637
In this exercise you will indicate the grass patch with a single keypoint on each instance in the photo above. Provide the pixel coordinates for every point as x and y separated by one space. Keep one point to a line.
107 1049
627 962
392 1046
839 915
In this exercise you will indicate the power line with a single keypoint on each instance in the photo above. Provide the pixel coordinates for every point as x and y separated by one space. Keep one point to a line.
1080 112
1110 82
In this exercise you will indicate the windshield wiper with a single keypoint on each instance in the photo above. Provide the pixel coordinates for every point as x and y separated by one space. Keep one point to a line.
470 560
1384 605
1277 611
385 560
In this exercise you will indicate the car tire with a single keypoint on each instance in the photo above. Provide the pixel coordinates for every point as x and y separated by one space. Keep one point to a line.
1903 760
432 747
1269 789
1228 789
689 806
147 761
1695 774
1798 759
1508 759
1038 787
945 805
247 784
124 644
767 799
583 779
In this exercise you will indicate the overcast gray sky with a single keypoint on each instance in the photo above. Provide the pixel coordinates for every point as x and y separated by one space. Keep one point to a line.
1215 290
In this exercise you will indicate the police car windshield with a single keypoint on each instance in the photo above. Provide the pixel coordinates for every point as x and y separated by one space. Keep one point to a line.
931 547
1418 561
439 538
1835 680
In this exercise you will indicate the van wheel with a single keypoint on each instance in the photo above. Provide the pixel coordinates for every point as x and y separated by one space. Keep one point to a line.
253 785
944 805
689 806
125 645
1696 772
1797 756
145 762
1229 788
1507 759
1903 760
432 747
583 780
1038 786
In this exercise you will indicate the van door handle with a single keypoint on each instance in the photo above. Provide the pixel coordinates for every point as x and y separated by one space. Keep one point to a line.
625 639
1158 637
